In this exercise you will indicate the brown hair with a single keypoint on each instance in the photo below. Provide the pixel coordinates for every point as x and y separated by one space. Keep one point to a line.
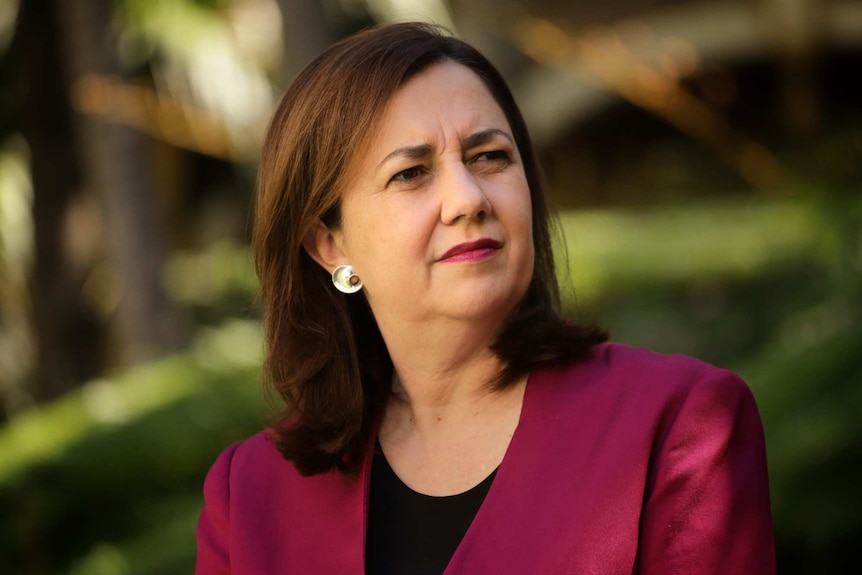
325 355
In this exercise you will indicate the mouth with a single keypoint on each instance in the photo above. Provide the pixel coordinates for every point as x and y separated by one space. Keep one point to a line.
472 251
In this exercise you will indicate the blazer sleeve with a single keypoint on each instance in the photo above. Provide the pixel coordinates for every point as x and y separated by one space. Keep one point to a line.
213 557
706 509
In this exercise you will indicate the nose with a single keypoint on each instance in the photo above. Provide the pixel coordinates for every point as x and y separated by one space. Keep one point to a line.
462 195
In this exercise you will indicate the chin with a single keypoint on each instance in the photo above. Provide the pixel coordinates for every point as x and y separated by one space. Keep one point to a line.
485 304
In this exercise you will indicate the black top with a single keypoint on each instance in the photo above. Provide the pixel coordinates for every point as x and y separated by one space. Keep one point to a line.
409 532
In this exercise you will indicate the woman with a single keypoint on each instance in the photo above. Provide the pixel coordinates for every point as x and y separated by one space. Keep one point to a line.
440 415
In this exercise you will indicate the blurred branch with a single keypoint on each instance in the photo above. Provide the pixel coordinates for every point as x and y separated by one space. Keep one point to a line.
654 87
211 67
108 99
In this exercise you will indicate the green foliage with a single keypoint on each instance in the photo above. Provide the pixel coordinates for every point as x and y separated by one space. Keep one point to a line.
177 27
809 388
612 252
108 480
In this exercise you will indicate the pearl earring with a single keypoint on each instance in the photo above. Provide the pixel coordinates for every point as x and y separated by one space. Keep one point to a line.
345 280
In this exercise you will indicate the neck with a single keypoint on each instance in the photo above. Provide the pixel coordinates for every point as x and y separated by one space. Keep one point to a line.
444 371
445 428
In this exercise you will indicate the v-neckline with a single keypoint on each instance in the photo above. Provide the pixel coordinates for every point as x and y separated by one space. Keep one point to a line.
488 504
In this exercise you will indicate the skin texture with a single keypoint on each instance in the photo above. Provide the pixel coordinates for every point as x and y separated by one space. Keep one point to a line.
441 170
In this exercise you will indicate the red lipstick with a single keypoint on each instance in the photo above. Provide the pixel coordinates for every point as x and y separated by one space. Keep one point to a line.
472 251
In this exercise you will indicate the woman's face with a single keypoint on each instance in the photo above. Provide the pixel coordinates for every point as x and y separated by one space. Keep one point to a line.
436 219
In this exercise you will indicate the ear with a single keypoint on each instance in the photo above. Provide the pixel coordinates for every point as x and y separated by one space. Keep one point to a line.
324 246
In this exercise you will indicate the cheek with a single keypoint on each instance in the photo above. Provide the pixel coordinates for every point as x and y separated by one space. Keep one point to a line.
362 221
363 246
516 205
386 240
520 211
407 221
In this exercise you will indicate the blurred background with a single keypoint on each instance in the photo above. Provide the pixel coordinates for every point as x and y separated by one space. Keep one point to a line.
705 156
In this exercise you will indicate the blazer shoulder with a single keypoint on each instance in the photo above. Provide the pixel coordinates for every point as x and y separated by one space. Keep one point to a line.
214 523
643 380
250 456
618 356
657 371
257 448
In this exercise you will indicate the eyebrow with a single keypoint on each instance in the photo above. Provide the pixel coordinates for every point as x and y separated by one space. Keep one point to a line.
424 150
483 137
411 152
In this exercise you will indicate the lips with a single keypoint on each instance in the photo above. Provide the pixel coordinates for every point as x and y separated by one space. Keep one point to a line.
470 251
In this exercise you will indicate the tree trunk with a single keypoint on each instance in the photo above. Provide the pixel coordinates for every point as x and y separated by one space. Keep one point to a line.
305 32
116 158
66 332
794 28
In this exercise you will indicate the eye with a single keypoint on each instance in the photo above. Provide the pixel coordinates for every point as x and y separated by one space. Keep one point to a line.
408 175
491 159
493 155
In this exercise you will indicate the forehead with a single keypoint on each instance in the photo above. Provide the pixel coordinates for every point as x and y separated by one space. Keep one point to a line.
448 99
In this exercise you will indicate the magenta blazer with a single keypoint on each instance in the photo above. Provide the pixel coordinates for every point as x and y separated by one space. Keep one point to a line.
632 462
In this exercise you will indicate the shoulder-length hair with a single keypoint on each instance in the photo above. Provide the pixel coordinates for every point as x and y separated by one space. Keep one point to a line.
325 355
